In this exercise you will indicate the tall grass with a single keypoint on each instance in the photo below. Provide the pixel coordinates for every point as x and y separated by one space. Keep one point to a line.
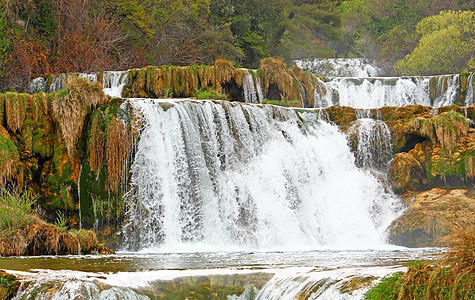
24 233
453 278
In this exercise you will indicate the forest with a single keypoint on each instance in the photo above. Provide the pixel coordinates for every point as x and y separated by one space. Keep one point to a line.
403 37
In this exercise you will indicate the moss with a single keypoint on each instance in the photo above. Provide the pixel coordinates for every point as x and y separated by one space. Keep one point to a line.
465 169
445 128
9 285
9 159
2 109
205 95
293 103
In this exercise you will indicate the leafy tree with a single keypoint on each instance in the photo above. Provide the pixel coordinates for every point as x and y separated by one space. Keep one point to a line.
447 45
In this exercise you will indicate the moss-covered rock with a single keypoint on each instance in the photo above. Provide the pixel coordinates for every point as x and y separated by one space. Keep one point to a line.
431 215
406 173
9 285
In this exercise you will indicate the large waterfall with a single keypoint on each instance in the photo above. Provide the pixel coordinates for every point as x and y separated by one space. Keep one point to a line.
232 176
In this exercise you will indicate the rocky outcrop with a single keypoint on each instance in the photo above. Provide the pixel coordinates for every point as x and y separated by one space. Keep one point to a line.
432 215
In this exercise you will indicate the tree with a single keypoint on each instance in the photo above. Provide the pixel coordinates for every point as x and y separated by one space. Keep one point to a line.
447 45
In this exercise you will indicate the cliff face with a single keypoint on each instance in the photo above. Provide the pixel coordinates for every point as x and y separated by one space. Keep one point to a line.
73 147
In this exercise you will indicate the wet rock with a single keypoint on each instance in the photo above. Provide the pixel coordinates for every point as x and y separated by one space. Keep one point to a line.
432 215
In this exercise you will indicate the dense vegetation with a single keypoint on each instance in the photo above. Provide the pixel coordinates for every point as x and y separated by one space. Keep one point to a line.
39 37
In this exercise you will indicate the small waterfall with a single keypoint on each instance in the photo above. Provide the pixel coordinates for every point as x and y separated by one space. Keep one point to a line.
339 67
113 83
37 85
58 83
259 89
373 144
310 283
250 93
230 175
470 96
388 91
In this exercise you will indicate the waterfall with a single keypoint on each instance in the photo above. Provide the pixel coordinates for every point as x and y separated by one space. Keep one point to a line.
388 91
113 82
339 67
239 176
470 96
373 144
250 93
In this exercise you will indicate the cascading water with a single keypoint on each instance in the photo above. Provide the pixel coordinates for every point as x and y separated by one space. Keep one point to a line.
239 176
113 83
372 140
470 96
339 67
250 93
387 91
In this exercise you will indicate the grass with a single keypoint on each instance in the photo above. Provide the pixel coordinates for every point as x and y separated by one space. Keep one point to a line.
207 95
293 103
453 278
22 232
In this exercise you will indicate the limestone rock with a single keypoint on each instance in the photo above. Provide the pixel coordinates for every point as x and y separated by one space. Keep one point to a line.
432 215
405 173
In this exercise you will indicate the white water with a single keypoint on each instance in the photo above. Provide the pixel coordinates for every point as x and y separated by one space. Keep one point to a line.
373 144
339 67
236 177
267 275
251 90
386 91
113 82
470 96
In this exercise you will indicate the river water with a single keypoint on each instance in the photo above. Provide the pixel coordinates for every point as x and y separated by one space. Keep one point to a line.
318 274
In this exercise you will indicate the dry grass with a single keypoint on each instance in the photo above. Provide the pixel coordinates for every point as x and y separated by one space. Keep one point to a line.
24 233
38 104
15 110
461 254
96 143
453 278
70 111
117 152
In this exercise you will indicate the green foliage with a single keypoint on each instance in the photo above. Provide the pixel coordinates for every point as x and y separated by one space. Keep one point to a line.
9 159
16 209
206 94
61 221
386 289
5 43
43 17
446 45
288 29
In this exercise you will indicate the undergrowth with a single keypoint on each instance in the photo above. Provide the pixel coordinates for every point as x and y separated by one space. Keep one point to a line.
452 278
22 232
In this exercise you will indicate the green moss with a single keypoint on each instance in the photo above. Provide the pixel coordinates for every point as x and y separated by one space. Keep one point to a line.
9 159
292 103
466 167
2 109
206 95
